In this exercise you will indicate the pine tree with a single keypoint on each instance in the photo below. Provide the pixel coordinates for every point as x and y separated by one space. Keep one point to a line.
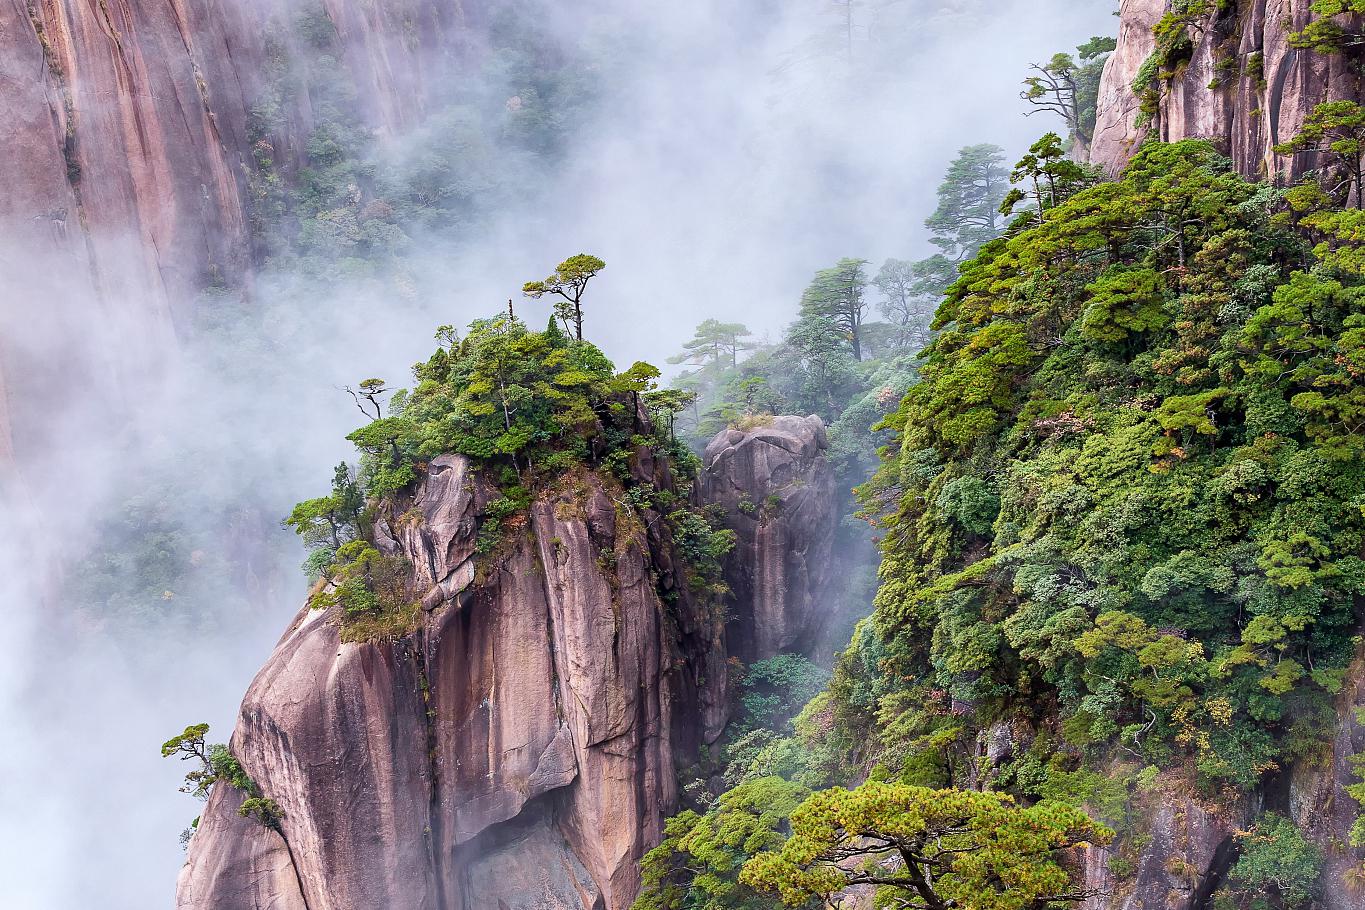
968 214
839 294
716 345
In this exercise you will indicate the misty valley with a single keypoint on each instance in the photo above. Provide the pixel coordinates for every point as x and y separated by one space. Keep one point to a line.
833 454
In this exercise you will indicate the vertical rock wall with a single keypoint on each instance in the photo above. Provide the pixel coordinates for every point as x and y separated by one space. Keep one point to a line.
128 164
517 748
1244 86
776 487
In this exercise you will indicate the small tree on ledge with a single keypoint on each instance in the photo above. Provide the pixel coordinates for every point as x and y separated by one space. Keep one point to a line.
569 281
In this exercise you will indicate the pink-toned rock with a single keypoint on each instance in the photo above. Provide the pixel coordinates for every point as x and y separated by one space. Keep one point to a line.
1245 87
776 486
253 868
1186 852
128 161
517 750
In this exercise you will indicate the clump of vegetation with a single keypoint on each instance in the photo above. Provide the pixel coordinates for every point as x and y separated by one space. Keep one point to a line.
1335 130
926 848
698 863
1328 32
1278 868
1176 566
1175 34
525 408
372 591
215 765
703 543
1121 518
775 689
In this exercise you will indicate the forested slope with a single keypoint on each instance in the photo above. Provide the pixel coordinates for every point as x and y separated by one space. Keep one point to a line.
1122 532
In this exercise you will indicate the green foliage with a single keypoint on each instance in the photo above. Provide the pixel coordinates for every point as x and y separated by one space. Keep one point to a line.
969 197
703 543
837 297
1124 302
715 345
216 764
1069 86
263 810
773 690
1128 483
1174 48
505 392
327 522
926 848
1328 33
372 591
1278 868
1335 129
1044 178
497 512
697 865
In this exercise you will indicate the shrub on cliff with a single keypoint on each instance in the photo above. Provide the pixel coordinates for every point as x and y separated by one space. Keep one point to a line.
927 849
697 865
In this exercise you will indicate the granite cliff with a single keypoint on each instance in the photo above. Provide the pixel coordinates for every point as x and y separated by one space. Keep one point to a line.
518 748
130 158
1238 81
777 489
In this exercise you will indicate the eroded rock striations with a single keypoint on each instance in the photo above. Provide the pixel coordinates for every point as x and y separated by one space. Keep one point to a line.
776 486
1244 86
518 749
130 162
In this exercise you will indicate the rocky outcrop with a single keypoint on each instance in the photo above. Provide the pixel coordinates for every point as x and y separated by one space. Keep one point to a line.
1244 86
516 750
776 487
1181 849
1186 848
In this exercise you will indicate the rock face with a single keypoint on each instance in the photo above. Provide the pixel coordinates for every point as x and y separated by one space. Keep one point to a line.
1187 851
776 487
1188 847
553 691
518 749
1244 87
129 162
1320 805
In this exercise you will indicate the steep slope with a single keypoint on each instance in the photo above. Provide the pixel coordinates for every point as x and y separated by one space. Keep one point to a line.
518 749
777 489
1238 82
